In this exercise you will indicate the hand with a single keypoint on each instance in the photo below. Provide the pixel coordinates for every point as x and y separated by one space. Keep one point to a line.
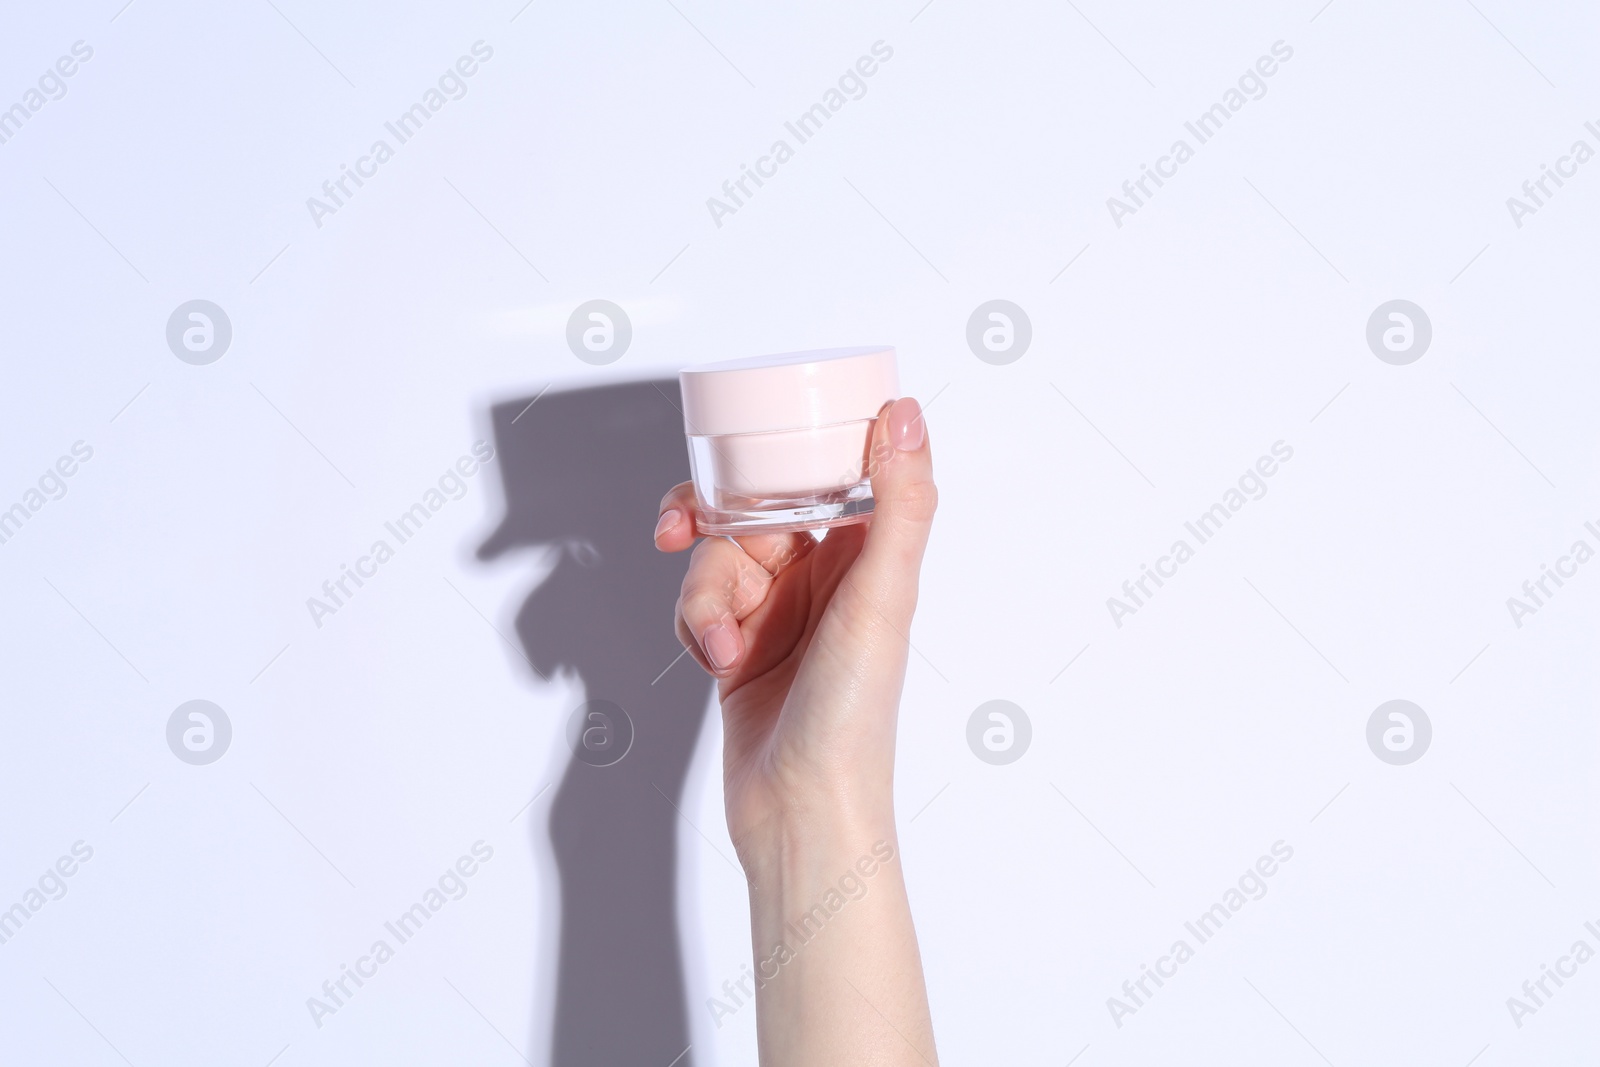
808 641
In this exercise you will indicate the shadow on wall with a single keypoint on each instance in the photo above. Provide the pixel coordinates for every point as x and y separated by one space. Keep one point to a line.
586 469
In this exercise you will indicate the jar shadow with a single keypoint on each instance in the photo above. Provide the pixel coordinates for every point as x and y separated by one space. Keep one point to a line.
586 469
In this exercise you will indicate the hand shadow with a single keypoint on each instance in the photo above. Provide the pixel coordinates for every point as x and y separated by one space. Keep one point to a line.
586 469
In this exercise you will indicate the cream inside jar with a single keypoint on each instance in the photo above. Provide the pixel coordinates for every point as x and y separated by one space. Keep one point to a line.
780 442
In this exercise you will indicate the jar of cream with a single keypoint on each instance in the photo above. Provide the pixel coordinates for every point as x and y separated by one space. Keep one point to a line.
780 442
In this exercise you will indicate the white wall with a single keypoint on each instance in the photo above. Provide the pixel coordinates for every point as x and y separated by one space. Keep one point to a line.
1228 313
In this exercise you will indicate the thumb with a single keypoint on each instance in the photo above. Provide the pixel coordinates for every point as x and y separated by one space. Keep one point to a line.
900 463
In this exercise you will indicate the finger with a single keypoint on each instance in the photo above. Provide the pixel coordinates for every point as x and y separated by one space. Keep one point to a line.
723 586
691 644
904 501
676 530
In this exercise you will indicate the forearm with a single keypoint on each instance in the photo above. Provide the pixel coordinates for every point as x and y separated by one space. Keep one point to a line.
838 974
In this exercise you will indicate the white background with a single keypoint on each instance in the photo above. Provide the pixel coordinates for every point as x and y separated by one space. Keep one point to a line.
1229 313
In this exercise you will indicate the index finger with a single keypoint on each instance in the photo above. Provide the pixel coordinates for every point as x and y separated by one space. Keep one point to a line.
676 530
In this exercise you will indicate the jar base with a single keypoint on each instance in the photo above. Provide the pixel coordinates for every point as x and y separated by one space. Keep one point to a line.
813 516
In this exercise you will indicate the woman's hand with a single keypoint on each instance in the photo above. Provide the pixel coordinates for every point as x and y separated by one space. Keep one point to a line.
809 640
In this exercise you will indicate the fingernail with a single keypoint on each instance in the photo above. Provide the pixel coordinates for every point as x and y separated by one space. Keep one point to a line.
721 646
669 518
906 430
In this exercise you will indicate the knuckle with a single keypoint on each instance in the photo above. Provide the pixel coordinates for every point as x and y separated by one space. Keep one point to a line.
700 606
917 502
746 587
705 567
722 580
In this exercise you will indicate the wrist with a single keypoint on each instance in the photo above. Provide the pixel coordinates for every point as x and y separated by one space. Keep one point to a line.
804 877
793 851
789 814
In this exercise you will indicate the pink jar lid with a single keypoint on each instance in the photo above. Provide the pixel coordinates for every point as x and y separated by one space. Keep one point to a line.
788 390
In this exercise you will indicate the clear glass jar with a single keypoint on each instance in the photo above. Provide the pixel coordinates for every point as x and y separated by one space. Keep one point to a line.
784 480
782 442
